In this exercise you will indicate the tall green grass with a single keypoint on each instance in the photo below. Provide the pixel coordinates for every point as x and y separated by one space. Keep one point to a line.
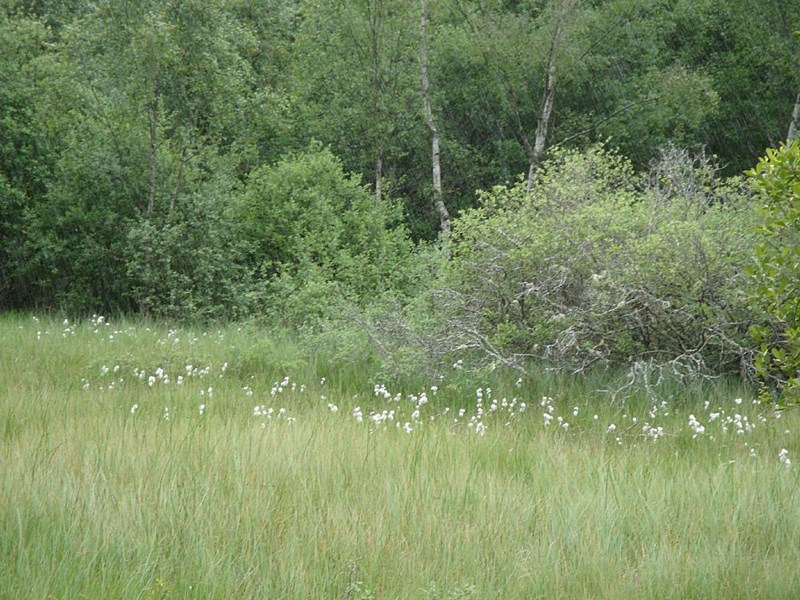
101 500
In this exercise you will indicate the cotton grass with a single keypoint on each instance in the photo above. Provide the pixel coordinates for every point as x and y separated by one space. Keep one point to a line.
221 480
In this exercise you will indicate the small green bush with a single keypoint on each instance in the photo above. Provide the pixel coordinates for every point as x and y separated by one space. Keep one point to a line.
777 272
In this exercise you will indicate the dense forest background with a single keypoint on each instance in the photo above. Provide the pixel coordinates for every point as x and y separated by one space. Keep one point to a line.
317 164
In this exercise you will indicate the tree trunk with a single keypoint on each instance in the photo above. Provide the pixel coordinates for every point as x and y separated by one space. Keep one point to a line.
438 199
379 176
376 86
794 123
151 197
563 11
539 143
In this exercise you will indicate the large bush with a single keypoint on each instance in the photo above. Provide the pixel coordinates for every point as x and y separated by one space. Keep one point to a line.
321 238
193 265
777 271
596 265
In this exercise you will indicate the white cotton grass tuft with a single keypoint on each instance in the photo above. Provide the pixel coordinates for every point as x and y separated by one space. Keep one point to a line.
696 427
479 409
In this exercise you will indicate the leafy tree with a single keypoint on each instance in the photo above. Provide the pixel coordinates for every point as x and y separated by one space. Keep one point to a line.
363 96
147 95
777 271
28 147
752 62
638 89
518 55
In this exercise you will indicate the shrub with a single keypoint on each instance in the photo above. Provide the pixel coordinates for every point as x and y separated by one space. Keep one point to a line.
777 272
595 267
322 238
193 266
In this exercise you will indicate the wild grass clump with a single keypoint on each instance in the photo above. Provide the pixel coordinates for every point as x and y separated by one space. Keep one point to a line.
146 461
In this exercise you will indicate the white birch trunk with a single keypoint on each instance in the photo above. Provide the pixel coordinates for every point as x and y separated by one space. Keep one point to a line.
540 142
379 177
438 199
563 11
794 123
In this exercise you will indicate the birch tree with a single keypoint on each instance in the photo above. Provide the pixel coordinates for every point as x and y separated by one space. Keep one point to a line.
438 196
527 49
562 12
355 81
792 134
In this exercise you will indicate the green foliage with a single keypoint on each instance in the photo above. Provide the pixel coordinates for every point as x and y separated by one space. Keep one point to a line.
777 270
75 232
193 267
26 151
321 237
364 98
128 209
754 65
593 266
140 147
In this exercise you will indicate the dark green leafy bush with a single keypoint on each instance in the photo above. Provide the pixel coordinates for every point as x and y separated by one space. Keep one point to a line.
322 239
777 271
193 266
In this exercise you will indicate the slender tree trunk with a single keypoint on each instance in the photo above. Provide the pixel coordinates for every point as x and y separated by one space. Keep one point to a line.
376 84
546 108
438 197
379 176
540 141
794 123
151 197
510 95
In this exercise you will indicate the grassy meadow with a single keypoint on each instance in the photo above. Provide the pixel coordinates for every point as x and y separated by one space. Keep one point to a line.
142 461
